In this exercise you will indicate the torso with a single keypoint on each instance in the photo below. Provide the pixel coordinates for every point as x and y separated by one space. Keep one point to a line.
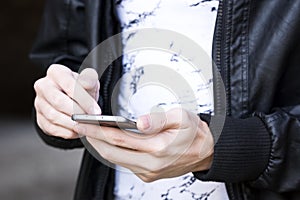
196 21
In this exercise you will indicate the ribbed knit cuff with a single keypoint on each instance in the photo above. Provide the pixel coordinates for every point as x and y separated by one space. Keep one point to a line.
241 153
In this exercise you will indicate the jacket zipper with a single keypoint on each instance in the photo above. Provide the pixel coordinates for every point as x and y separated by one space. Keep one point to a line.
106 86
220 56
219 41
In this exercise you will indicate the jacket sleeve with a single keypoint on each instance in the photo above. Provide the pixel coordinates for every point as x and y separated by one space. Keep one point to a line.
263 150
241 152
61 39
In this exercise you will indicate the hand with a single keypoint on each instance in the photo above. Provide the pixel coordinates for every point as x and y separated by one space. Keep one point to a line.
60 94
172 144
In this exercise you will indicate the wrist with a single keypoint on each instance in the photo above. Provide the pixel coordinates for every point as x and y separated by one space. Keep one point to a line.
205 148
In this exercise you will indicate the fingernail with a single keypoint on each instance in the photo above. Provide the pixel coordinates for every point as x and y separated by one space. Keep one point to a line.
79 129
143 122
88 83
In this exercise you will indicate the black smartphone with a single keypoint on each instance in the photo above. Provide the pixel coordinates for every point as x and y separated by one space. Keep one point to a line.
105 120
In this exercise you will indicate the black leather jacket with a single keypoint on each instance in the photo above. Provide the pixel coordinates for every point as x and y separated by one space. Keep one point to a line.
256 49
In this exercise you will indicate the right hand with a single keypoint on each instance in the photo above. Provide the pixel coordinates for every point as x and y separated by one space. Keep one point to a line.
60 94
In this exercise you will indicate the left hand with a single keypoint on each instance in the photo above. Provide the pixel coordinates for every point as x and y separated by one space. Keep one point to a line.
171 144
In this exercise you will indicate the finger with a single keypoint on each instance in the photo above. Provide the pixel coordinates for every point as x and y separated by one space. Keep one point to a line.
63 77
111 135
85 100
88 79
125 139
47 90
137 162
133 160
73 89
52 115
159 121
55 130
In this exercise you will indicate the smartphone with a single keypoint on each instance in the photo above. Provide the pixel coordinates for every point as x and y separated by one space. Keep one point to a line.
105 120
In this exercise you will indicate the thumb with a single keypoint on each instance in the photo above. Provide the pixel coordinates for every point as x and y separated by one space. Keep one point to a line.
157 122
88 79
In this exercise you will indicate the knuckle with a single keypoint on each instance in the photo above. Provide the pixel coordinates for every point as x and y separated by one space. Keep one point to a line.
202 124
145 179
154 167
65 105
175 112
38 84
160 152
51 129
36 103
69 88
54 68
117 141
175 116
193 117
39 121
183 116
52 115
57 101
58 132
160 149
51 69
149 177
68 135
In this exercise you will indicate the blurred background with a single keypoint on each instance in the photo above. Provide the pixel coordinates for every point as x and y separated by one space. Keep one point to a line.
28 168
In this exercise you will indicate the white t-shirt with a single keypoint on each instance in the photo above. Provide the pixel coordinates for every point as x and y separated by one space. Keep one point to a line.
140 95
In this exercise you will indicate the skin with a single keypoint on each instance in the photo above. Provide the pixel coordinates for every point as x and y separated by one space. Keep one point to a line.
171 144
55 101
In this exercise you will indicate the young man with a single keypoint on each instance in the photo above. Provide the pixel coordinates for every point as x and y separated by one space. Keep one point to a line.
256 49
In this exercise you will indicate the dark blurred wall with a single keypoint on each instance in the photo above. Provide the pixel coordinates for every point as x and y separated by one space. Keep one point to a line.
19 21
